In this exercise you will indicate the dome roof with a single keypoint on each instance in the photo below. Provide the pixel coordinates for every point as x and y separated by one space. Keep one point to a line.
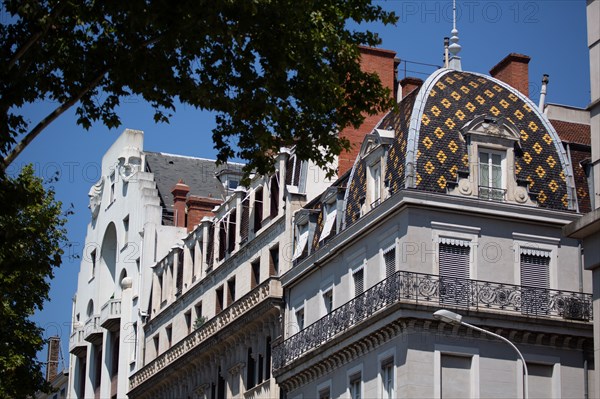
430 149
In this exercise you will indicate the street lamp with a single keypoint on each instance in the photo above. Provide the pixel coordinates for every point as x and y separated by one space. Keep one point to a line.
454 318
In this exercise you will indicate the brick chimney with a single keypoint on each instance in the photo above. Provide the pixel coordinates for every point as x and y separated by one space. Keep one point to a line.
514 70
53 352
383 63
180 192
409 84
199 207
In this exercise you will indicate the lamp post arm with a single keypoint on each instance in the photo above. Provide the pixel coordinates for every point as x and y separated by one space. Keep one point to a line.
500 337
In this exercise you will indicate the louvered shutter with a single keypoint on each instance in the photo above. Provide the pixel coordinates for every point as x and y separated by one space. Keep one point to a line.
359 284
535 281
389 258
454 271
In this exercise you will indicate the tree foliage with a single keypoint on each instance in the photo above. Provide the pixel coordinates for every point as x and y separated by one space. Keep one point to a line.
31 235
276 72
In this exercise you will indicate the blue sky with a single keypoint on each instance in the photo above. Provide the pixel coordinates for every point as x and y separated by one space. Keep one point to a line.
551 32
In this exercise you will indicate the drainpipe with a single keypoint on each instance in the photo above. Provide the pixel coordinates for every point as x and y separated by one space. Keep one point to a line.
580 253
543 90
586 393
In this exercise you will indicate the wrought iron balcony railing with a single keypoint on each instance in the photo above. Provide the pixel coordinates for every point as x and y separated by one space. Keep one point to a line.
416 288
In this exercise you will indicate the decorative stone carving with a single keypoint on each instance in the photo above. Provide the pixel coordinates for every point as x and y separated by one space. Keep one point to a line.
95 195
130 163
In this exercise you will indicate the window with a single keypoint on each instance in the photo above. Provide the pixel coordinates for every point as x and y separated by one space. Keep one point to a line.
255 270
455 376
387 378
389 260
491 176
541 382
160 287
198 309
325 393
274 261
454 260
219 299
355 385
156 341
192 251
188 321
374 184
328 300
535 280
274 206
330 217
169 331
250 370
112 188
222 238
245 222
134 341
126 229
178 257
231 231
93 256
268 358
258 208
301 241
300 318
230 291
359 283
90 308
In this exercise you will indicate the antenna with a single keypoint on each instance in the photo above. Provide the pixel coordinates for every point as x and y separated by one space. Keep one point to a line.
454 48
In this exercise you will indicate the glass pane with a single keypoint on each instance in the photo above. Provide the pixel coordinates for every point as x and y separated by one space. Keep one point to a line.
496 176
484 174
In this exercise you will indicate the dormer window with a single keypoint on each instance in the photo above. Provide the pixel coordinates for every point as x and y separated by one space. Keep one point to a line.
374 185
492 183
492 145
374 151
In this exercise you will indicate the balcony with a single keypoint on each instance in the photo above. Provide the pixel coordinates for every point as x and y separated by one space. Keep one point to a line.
92 331
110 315
416 288
77 345
269 289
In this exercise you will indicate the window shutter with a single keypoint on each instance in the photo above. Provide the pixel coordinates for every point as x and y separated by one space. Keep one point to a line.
389 258
454 261
359 285
454 272
535 271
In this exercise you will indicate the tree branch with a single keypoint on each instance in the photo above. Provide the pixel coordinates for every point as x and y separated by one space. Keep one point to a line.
47 120
33 39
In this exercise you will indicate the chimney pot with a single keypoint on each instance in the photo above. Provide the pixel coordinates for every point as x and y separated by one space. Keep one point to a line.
180 192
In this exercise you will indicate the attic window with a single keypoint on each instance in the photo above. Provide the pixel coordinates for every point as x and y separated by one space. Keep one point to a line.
492 168
492 145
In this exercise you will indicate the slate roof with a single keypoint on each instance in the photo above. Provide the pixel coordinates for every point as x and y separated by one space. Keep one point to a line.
198 173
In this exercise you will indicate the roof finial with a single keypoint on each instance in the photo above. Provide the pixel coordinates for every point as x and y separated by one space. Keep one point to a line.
454 48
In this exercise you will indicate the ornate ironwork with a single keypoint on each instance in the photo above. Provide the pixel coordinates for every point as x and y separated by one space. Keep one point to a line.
411 287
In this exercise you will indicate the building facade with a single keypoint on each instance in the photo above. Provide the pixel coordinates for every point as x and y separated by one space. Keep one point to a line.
134 222
297 286
457 200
